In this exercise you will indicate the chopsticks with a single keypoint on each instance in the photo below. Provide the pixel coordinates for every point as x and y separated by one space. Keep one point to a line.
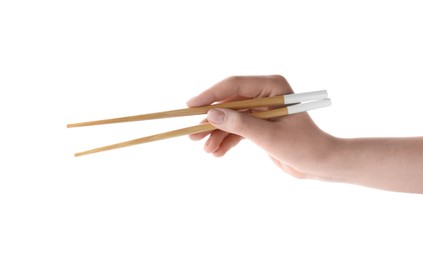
296 99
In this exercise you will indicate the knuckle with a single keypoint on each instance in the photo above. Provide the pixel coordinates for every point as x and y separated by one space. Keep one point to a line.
279 78
283 84
233 79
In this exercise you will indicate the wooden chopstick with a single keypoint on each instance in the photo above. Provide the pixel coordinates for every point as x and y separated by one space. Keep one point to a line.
243 104
183 131
275 101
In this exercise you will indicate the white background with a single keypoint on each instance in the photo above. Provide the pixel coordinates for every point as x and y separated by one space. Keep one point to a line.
69 61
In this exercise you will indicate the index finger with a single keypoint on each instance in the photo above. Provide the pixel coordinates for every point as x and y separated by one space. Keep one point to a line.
245 86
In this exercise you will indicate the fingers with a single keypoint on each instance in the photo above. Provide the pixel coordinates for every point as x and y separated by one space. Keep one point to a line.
228 143
219 142
259 131
232 125
200 136
214 141
249 86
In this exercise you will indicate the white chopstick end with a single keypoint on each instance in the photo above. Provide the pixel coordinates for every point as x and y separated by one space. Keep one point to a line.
306 96
309 106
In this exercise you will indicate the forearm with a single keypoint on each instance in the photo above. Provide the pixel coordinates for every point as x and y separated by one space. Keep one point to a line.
386 163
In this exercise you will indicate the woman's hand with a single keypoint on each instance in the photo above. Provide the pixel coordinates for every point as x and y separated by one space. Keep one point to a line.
294 143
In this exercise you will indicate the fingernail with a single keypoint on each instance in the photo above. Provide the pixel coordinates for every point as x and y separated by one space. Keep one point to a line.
216 116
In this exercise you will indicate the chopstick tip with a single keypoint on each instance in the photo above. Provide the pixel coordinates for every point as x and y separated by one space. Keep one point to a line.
75 125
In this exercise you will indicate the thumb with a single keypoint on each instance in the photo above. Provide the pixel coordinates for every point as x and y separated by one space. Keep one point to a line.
257 130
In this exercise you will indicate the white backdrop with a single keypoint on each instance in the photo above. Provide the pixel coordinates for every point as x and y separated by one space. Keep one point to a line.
69 61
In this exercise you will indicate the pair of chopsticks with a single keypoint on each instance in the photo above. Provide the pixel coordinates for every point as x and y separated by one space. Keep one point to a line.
292 104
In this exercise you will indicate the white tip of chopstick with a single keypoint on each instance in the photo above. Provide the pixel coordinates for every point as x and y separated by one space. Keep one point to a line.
309 106
304 97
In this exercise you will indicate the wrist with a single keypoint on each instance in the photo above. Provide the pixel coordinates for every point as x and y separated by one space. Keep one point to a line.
330 159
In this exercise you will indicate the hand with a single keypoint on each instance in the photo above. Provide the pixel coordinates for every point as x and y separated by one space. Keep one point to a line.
294 142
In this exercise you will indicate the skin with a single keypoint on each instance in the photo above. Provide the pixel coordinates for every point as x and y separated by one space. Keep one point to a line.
299 147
